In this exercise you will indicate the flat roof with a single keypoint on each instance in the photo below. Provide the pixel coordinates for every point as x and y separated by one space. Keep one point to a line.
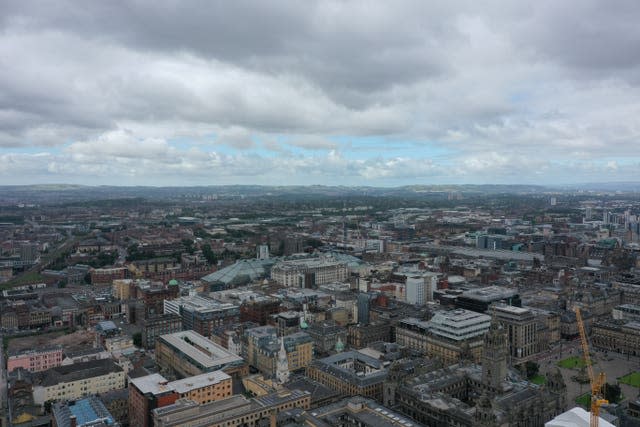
192 383
200 349
154 384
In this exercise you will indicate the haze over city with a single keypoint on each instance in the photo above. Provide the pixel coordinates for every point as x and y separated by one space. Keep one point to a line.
349 93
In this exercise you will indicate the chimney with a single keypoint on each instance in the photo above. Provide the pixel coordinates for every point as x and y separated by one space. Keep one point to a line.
73 421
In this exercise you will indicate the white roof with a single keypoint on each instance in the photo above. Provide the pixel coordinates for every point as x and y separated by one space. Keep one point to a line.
193 383
576 417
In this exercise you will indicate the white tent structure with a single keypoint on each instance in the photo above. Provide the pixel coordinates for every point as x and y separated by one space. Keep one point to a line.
576 417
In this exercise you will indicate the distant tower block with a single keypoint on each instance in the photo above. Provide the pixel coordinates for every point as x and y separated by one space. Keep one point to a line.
263 252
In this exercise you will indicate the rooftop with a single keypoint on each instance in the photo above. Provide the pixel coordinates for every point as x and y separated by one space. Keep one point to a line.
200 349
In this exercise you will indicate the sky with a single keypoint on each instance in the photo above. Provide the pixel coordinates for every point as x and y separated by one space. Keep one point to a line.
379 93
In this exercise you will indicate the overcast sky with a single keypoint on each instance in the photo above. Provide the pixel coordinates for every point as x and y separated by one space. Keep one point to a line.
334 92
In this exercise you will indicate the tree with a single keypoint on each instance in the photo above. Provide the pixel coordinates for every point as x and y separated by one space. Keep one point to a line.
137 339
612 392
531 369
208 254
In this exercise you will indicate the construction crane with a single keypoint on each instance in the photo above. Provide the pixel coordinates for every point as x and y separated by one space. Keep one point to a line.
597 399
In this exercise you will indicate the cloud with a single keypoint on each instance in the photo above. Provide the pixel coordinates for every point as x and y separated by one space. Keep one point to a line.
286 85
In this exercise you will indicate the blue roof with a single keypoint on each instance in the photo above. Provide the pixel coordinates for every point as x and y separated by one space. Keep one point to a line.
87 412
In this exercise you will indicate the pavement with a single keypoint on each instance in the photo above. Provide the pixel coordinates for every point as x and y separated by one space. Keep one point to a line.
618 366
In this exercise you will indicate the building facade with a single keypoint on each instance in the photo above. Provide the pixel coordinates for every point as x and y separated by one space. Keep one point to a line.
35 360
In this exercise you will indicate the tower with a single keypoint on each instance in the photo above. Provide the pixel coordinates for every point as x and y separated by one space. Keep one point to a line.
494 358
282 364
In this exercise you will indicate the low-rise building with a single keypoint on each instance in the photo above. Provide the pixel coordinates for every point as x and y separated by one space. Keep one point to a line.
188 353
77 380
231 412
360 335
88 412
619 336
350 373
154 391
35 360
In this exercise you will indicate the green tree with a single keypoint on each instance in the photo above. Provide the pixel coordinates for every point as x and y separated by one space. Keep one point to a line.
612 392
208 254
137 339
531 368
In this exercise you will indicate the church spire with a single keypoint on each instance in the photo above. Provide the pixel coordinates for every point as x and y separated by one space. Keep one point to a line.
282 364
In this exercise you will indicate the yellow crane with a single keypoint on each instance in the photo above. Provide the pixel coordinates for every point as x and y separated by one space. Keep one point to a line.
597 399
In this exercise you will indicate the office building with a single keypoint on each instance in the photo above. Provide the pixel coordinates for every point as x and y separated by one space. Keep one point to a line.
159 325
188 353
522 331
292 273
202 315
350 373
234 411
480 299
452 333
76 381
154 391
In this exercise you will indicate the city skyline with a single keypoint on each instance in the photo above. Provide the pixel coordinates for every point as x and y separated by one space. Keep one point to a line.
333 93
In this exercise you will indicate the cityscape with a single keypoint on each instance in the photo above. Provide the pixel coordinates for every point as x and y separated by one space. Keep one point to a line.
318 306
319 213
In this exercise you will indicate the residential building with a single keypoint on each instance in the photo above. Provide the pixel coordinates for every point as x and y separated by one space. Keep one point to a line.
35 360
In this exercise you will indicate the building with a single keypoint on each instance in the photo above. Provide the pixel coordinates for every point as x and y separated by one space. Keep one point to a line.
350 373
78 380
117 403
159 325
235 411
360 336
480 299
419 288
146 394
325 335
188 353
258 310
202 315
154 295
348 412
263 349
468 394
121 289
412 333
364 306
619 336
88 412
35 360
522 331
154 391
292 273
451 333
